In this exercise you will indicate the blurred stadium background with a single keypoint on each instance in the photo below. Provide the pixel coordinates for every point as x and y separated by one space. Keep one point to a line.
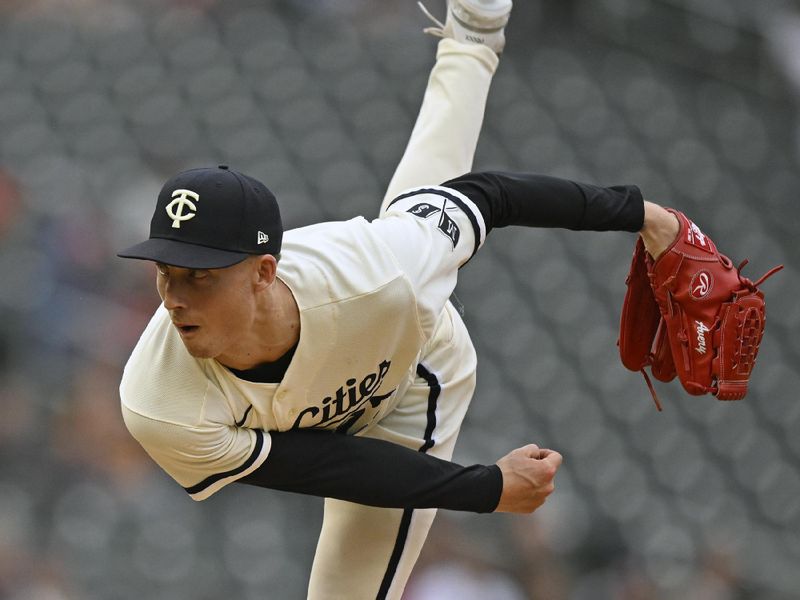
694 100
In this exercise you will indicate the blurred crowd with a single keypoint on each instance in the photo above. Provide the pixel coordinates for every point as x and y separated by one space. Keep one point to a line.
695 102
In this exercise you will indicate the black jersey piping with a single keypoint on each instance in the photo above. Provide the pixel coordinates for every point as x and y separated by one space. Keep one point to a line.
212 479
435 389
433 398
241 421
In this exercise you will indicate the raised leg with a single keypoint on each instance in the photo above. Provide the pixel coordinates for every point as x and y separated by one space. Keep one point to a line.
444 138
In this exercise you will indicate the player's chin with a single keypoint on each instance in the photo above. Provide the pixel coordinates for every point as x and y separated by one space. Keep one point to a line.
195 345
199 352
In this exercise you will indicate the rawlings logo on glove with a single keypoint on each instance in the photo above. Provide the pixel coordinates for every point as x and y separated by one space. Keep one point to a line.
692 314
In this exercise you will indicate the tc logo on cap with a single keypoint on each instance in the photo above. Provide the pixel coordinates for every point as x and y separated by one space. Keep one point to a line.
181 201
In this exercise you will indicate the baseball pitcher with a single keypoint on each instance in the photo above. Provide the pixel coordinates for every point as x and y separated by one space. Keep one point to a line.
327 360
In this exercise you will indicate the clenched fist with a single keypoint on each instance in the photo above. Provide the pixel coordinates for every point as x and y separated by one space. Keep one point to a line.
528 474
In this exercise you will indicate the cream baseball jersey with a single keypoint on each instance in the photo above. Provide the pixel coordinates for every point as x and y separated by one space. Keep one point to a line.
371 297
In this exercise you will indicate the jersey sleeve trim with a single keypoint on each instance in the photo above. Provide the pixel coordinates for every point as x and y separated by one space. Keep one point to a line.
214 483
467 206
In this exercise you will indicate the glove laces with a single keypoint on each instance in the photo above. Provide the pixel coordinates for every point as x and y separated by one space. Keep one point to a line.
753 285
652 389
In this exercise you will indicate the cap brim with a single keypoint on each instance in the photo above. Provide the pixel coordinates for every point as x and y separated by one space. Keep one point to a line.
181 254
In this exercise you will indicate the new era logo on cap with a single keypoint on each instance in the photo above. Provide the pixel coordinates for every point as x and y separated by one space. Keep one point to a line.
211 218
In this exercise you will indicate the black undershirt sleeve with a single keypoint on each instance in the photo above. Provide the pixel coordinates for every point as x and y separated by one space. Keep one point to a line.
374 472
542 201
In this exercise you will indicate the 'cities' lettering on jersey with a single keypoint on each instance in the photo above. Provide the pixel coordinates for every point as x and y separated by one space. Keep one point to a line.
348 404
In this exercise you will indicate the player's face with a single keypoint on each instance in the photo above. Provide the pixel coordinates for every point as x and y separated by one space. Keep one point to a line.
210 308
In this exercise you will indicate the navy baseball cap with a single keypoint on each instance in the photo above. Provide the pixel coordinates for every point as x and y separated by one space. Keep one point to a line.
211 218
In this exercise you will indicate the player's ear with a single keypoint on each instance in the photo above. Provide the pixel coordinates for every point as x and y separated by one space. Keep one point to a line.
265 270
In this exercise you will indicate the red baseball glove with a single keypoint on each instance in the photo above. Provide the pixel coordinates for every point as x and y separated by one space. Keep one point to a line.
692 314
